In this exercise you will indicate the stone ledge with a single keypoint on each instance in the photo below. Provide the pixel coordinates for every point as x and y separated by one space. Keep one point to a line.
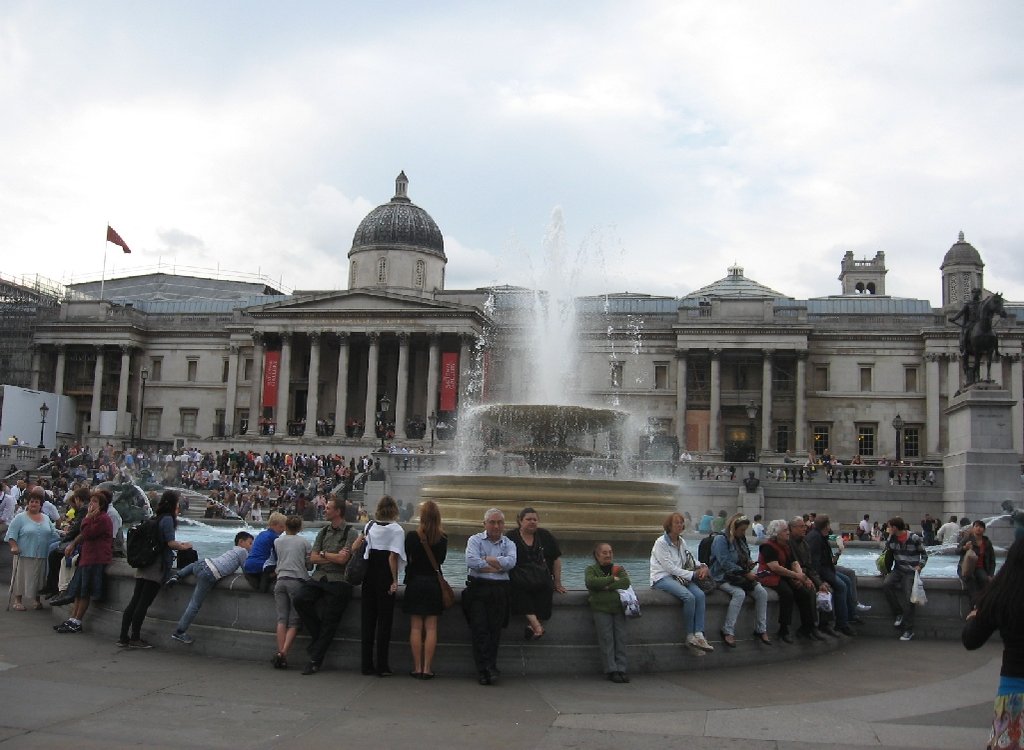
238 623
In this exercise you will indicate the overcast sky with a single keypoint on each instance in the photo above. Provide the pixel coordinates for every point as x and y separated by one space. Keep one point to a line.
676 137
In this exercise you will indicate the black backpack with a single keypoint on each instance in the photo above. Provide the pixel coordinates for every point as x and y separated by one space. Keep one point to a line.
704 548
144 546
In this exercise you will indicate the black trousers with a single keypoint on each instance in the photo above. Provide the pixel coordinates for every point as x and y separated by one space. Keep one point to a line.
804 600
378 612
321 620
485 604
143 595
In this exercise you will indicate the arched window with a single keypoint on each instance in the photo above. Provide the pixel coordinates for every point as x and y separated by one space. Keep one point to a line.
417 278
382 271
871 287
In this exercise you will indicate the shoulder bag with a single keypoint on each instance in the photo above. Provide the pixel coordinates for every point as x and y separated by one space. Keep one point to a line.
447 593
355 571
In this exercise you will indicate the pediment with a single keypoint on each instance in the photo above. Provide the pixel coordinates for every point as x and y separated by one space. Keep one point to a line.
355 301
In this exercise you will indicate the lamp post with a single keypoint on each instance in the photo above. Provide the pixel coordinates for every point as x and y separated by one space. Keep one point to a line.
752 415
42 422
385 405
897 424
433 426
144 376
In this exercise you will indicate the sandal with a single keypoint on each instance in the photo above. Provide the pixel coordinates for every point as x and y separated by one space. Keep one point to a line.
38 605
18 607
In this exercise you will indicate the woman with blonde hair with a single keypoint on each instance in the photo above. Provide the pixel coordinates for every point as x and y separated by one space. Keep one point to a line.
733 569
423 589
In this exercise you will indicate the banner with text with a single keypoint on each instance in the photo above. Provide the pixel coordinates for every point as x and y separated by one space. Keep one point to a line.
449 380
271 376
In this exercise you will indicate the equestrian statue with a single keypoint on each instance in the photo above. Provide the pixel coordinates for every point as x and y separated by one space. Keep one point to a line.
977 338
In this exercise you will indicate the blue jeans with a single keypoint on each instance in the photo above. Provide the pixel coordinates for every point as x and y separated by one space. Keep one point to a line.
205 581
736 597
841 596
693 602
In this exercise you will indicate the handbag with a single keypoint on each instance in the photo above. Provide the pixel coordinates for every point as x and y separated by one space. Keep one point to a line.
355 571
531 575
707 584
739 580
447 593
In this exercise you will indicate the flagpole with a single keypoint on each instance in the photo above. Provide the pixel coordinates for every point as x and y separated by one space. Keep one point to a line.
103 273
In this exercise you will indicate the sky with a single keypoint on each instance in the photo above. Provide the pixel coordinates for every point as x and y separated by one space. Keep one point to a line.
676 138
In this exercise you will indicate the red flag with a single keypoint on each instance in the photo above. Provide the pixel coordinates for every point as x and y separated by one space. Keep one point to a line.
114 237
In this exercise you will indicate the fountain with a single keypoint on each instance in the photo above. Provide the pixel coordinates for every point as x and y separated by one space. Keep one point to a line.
546 449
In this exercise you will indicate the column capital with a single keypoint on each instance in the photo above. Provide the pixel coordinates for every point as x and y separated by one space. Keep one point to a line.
932 357
715 353
374 337
233 348
767 353
682 353
802 354
99 349
258 338
434 339
60 348
126 349
286 337
343 337
403 338
314 337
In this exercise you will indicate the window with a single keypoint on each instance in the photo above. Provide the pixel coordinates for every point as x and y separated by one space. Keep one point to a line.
189 417
616 372
661 376
193 370
910 379
782 377
417 278
866 439
247 369
821 438
225 371
151 424
911 442
382 271
865 379
782 435
156 365
821 378
219 428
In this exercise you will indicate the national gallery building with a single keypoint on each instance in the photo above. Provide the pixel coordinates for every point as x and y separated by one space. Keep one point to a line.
734 370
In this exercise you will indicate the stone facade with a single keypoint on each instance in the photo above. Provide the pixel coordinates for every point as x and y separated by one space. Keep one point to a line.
734 370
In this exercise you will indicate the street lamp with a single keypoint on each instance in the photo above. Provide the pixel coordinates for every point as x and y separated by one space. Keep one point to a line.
144 375
385 405
897 424
433 426
752 415
42 422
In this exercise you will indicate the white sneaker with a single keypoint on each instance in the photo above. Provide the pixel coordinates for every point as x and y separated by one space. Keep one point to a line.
907 635
863 607
696 650
899 621
702 642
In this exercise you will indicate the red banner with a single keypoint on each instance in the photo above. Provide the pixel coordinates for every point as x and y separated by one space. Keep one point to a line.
449 380
271 377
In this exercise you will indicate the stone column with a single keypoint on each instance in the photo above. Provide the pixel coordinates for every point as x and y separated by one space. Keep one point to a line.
1017 411
714 440
465 353
284 384
256 393
801 401
313 391
766 401
952 375
402 387
34 383
341 395
370 414
230 428
433 363
931 377
97 393
681 398
122 390
58 382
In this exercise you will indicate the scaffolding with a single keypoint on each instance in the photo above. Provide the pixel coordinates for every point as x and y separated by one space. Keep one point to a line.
22 298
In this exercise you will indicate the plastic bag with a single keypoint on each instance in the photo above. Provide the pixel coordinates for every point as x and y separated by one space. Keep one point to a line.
630 604
917 595
825 601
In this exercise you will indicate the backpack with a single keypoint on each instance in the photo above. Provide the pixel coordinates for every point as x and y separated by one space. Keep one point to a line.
704 548
144 546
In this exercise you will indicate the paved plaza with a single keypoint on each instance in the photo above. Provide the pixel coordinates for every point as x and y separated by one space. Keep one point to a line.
82 692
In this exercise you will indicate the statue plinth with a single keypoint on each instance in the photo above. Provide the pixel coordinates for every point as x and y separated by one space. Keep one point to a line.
981 468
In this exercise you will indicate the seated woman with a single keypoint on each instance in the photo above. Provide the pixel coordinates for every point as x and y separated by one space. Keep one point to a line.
733 570
778 570
538 572
669 573
604 580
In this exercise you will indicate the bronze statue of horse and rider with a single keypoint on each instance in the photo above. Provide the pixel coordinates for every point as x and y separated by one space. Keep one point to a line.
977 339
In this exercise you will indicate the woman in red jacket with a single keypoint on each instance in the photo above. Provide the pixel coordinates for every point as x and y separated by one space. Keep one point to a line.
95 543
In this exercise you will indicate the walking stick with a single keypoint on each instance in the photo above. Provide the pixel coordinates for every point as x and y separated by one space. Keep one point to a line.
14 574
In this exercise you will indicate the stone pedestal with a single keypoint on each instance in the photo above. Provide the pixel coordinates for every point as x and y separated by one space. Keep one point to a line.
982 469
751 503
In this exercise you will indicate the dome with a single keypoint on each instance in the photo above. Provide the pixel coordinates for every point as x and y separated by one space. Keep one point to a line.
399 223
962 253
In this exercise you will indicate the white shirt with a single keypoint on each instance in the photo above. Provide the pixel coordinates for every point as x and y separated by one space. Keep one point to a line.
948 532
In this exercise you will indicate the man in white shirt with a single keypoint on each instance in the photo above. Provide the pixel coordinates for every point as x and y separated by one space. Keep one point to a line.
948 532
490 555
